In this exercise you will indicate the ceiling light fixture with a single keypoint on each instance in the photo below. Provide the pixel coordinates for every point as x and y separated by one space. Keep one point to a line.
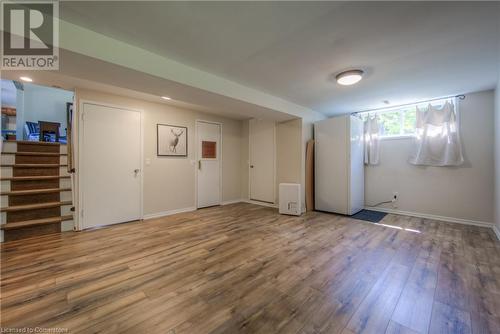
166 98
27 79
350 77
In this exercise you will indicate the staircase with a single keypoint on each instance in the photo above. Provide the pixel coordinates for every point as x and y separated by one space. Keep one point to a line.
35 190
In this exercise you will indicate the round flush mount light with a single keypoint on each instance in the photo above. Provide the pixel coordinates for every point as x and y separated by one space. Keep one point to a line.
27 79
350 77
166 98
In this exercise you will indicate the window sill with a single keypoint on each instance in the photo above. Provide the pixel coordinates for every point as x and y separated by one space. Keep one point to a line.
397 137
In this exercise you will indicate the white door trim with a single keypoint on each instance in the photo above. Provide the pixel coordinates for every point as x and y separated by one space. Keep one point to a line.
78 188
221 195
250 162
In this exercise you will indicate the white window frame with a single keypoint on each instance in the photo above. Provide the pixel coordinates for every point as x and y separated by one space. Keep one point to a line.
401 110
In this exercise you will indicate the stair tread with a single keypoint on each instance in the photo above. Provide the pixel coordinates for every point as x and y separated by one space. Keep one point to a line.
42 154
28 142
32 178
35 206
33 191
28 223
34 165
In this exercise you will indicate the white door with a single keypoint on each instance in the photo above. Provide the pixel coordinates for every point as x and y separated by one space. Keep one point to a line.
110 163
262 160
209 163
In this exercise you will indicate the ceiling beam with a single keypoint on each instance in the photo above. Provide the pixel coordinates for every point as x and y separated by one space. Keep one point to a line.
92 44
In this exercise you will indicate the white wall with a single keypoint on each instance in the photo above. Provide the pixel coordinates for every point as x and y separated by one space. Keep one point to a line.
40 103
497 157
244 160
169 182
497 144
288 153
464 192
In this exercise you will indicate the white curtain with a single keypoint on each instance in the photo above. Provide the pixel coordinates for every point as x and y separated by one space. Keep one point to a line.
372 140
437 140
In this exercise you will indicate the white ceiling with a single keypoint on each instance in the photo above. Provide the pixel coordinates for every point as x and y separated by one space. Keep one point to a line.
409 50
77 71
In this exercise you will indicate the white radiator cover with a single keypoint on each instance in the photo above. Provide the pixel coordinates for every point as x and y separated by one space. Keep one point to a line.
290 199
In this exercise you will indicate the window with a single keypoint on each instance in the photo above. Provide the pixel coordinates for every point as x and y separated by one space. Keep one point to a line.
399 121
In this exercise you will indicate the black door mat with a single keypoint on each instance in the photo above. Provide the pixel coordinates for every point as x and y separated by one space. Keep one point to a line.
370 216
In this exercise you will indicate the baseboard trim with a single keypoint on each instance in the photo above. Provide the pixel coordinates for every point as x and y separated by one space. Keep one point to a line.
233 201
269 205
241 200
189 209
168 213
497 231
433 217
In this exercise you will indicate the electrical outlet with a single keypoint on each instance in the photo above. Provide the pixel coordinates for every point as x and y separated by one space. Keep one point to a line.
395 198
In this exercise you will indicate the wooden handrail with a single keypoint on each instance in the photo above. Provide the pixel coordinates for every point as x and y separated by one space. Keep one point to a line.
69 137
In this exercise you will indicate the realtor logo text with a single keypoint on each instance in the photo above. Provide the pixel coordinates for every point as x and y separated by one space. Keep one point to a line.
30 35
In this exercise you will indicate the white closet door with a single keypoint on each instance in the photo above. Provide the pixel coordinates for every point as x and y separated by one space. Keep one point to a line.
262 160
110 163
209 164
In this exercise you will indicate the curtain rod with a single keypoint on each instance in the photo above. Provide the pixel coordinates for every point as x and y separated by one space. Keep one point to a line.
459 96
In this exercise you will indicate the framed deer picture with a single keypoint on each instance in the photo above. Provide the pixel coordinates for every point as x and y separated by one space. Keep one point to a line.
172 140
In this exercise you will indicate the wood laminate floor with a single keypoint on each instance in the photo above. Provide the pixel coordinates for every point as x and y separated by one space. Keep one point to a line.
245 269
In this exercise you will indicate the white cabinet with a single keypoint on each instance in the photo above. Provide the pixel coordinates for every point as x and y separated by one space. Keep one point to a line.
338 161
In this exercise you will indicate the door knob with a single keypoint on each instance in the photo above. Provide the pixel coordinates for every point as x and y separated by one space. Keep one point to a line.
251 166
136 171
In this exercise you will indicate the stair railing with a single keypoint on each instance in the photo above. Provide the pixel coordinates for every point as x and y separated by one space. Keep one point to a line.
69 136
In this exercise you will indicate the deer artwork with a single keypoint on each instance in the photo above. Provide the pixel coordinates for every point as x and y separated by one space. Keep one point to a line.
175 140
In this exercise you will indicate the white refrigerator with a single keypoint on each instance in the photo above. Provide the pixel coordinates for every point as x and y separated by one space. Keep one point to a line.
338 165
